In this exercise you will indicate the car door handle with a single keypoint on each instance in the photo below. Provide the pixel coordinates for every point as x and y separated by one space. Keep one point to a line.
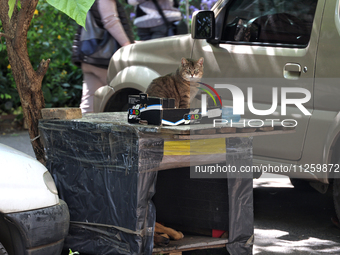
292 71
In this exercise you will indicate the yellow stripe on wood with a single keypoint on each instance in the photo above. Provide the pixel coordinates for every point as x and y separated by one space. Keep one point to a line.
195 147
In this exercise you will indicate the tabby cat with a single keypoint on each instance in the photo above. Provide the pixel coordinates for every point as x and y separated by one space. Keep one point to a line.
182 85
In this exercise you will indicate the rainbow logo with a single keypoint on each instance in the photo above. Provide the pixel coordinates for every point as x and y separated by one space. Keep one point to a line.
209 93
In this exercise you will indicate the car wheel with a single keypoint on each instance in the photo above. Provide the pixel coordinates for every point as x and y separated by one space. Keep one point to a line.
119 102
336 196
300 184
3 250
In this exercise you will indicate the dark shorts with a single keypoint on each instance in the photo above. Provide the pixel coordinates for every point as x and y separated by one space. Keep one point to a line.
152 32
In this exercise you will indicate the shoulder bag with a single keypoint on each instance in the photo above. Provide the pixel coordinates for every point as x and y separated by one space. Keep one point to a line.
96 45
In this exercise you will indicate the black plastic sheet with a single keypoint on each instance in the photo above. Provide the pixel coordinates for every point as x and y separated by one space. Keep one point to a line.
98 168
104 170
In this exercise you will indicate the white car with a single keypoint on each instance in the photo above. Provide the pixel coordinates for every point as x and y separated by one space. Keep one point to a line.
33 220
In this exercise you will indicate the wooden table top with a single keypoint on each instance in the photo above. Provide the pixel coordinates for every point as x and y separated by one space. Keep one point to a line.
195 131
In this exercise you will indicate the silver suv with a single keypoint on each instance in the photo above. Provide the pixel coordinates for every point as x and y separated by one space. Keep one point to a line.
273 47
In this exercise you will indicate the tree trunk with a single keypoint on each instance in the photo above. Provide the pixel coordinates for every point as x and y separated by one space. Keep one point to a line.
28 81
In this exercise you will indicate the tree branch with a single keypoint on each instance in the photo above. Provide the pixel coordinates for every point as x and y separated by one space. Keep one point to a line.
6 36
25 16
42 69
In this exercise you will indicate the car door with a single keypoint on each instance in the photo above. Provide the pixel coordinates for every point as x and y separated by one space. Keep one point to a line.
269 46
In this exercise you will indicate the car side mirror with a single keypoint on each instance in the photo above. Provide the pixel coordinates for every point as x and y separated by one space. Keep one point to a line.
203 25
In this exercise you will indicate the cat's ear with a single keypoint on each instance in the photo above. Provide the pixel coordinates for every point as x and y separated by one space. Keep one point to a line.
200 61
184 61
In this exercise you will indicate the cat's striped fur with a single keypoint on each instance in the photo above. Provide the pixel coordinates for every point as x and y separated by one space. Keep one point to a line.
180 85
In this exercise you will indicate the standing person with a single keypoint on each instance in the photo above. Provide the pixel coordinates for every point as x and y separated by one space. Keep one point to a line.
108 14
149 22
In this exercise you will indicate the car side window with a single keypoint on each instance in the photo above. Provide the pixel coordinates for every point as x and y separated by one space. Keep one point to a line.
283 22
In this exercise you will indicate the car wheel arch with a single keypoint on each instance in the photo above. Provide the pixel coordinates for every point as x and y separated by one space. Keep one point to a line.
138 77
333 154
336 196
119 100
331 148
128 79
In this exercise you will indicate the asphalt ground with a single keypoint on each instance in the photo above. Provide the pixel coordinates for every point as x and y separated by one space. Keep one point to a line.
287 220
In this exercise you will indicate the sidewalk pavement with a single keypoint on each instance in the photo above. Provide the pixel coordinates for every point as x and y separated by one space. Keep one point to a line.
19 140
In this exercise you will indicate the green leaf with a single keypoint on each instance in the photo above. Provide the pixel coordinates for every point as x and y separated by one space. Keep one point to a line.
76 9
55 99
11 4
47 95
78 87
66 85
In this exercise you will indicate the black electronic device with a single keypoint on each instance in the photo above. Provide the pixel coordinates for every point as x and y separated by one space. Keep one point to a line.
161 111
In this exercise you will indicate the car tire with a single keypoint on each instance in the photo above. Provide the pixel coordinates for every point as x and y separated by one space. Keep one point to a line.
119 101
336 196
3 250
300 184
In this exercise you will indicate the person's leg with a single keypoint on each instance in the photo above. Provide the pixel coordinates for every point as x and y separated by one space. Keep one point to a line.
144 33
159 31
94 78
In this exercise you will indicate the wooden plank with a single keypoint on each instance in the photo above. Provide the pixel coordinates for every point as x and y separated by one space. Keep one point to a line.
193 137
283 128
265 129
226 130
192 230
245 130
61 113
180 161
175 130
198 130
205 132
188 131
189 243
169 132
